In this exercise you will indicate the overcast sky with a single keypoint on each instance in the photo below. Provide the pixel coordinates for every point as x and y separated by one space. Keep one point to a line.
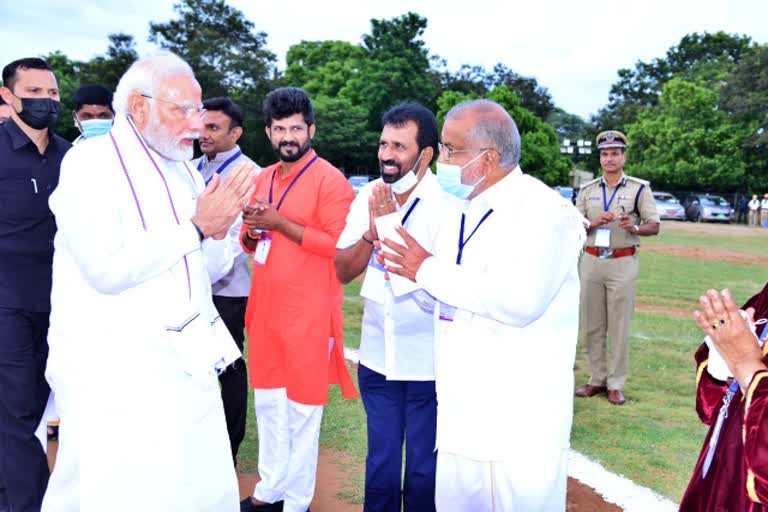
572 48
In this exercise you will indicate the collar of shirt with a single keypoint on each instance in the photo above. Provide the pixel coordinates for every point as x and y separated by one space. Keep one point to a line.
497 194
297 166
622 181
19 139
425 188
220 158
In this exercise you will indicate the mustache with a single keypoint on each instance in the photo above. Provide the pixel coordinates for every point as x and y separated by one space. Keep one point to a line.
288 143
391 163
189 135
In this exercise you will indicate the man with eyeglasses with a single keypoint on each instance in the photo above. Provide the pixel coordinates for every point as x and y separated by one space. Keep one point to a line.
223 127
135 340
30 156
507 320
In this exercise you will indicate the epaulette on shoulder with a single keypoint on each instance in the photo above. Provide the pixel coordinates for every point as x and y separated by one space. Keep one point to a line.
589 183
638 180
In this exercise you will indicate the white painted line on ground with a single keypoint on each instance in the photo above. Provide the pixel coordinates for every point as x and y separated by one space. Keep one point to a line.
612 487
616 488
350 355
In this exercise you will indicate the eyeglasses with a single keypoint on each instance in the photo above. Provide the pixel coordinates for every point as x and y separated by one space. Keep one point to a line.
186 111
449 152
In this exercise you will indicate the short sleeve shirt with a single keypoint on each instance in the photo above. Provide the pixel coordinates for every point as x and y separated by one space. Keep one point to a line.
631 195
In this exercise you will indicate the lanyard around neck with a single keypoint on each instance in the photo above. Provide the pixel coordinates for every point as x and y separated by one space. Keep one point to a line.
222 167
294 180
410 211
462 242
607 203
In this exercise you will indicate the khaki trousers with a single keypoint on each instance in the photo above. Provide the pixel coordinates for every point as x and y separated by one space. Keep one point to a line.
754 216
607 301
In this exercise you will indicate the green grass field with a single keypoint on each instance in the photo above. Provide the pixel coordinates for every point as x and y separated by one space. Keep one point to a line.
655 438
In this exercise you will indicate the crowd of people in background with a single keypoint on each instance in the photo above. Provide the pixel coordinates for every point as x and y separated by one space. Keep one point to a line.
134 278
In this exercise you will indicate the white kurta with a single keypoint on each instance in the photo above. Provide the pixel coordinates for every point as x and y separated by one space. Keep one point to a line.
142 424
504 365
398 333
236 283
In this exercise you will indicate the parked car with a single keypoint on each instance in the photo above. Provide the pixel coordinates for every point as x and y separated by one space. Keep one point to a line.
668 206
358 182
706 207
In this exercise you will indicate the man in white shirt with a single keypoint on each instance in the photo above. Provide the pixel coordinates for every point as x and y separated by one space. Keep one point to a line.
754 210
505 274
764 210
396 371
135 340
223 127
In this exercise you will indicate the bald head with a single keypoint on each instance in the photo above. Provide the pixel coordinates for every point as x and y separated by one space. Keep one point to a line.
491 126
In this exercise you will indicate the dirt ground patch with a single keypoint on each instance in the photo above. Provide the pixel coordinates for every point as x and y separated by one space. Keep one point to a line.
665 310
707 254
331 480
713 228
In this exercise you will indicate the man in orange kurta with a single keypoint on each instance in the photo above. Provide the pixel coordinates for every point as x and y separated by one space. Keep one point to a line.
294 320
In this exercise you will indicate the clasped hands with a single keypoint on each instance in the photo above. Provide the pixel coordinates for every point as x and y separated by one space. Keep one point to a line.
403 260
731 334
625 222
222 201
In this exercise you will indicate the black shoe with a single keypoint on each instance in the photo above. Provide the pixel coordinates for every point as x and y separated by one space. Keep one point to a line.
248 506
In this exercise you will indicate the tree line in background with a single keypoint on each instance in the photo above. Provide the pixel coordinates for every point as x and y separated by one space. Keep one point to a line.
696 119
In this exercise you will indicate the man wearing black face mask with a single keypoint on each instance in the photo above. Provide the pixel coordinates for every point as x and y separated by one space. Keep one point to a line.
30 155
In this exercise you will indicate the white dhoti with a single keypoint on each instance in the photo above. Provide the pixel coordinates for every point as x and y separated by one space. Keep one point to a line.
289 436
465 485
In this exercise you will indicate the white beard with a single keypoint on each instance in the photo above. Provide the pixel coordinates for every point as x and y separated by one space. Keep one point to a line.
159 138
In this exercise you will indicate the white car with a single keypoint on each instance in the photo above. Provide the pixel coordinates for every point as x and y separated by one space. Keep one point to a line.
668 206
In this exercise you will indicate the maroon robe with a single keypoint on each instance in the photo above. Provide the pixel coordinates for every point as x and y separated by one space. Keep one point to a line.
737 480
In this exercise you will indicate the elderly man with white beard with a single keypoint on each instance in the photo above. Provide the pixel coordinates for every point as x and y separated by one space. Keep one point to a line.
135 340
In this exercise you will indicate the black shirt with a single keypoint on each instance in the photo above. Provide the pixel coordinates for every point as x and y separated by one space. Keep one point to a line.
27 226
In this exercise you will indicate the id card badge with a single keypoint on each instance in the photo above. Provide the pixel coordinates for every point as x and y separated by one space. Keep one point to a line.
603 237
262 249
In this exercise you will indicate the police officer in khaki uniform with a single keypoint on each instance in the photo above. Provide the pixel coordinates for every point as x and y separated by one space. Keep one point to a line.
620 209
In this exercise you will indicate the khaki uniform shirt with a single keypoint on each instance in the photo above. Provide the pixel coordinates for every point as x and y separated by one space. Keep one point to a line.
632 196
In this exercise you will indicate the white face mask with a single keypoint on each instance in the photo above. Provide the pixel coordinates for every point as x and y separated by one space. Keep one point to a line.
449 178
408 180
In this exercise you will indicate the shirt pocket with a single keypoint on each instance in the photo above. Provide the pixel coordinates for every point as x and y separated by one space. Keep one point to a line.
23 199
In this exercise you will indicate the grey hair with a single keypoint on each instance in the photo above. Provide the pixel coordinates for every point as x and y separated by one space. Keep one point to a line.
491 131
145 75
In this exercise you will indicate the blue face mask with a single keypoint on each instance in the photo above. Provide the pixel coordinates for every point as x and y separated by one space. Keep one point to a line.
95 127
449 178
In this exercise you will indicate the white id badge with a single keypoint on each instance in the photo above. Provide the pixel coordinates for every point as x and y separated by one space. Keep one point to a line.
603 237
262 249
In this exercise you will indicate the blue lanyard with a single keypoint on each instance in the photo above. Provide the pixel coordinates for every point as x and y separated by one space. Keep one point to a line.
221 167
722 416
462 242
298 175
607 204
410 211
